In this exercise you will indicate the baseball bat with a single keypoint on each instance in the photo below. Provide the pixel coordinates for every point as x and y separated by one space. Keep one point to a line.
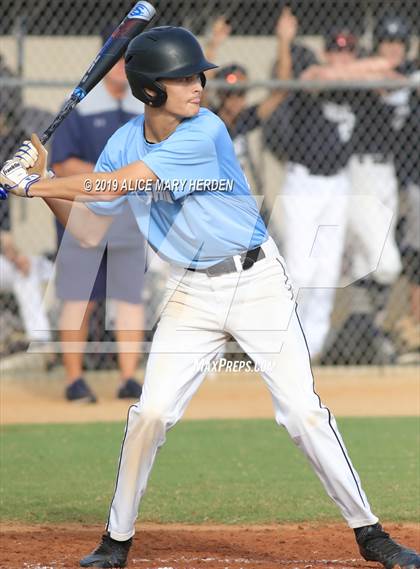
132 25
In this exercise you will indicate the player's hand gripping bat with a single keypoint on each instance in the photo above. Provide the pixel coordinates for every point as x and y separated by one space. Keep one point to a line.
132 25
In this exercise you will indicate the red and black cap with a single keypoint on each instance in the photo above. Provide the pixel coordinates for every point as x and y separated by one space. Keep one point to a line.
232 74
341 40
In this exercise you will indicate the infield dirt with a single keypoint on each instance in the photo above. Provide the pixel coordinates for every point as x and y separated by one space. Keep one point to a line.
304 546
300 546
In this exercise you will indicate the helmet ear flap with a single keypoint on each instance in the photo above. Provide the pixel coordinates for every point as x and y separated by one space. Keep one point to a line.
159 98
139 83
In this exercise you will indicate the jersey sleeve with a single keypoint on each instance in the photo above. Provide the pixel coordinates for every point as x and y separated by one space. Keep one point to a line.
188 158
67 141
106 164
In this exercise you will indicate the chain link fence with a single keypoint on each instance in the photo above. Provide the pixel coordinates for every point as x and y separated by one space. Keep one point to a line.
322 102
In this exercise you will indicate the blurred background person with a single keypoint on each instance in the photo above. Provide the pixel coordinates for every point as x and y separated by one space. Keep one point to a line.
21 274
315 133
377 142
408 169
115 269
24 276
319 131
231 106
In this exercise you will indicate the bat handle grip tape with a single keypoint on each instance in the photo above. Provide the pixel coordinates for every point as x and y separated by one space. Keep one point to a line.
75 98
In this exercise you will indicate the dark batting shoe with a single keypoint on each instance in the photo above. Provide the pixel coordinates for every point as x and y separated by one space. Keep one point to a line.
131 389
80 391
109 553
376 545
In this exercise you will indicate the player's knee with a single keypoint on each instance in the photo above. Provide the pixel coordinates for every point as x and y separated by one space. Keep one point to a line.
156 417
300 419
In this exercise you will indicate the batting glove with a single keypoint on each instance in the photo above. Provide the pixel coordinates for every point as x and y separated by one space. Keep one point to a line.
34 157
27 154
3 193
16 180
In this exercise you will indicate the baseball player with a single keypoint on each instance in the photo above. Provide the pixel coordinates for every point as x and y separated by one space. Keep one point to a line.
315 194
227 277
408 169
231 105
316 186
377 141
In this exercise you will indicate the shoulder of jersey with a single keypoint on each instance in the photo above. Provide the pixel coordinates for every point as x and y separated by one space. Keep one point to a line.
205 120
127 131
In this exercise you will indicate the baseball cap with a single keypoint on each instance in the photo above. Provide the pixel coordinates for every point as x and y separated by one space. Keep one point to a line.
341 40
231 74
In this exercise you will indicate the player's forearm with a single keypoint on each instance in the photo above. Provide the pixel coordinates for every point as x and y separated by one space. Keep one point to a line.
79 187
367 68
94 186
79 220
284 59
284 73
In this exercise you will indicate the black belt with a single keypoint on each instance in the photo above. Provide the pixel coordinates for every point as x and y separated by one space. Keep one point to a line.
247 260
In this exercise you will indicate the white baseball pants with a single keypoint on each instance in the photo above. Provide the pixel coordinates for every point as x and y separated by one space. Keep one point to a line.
28 293
372 231
314 221
257 308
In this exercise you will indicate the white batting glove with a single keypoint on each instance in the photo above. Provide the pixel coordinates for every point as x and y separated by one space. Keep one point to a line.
27 154
34 157
16 180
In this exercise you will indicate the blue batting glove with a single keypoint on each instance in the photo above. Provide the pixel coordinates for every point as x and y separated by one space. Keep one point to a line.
3 193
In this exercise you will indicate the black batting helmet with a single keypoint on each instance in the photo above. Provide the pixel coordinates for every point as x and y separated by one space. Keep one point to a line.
162 53
393 28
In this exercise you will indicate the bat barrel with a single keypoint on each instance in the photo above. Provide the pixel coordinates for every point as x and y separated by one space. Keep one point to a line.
133 24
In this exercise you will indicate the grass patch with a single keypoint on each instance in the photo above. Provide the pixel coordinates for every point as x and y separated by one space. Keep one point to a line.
229 471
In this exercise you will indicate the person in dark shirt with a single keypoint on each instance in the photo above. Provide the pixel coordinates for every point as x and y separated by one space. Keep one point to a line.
377 142
409 176
316 132
113 270
315 190
231 105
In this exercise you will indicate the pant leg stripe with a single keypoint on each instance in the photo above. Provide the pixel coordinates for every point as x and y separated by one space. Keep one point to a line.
329 413
119 465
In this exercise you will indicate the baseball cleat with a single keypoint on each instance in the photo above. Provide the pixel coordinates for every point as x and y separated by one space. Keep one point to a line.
376 545
109 554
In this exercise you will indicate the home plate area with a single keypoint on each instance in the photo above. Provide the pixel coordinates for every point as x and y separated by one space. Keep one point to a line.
297 546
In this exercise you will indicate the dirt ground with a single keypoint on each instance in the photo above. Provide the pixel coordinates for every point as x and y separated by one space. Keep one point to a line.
347 391
211 547
357 392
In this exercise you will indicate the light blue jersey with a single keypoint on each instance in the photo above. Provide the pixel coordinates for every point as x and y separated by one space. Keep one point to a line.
206 213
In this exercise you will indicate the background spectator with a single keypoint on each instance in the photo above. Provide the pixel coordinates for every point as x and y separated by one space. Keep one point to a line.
21 274
408 168
113 270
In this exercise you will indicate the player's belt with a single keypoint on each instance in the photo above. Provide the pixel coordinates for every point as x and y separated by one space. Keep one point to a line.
228 265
